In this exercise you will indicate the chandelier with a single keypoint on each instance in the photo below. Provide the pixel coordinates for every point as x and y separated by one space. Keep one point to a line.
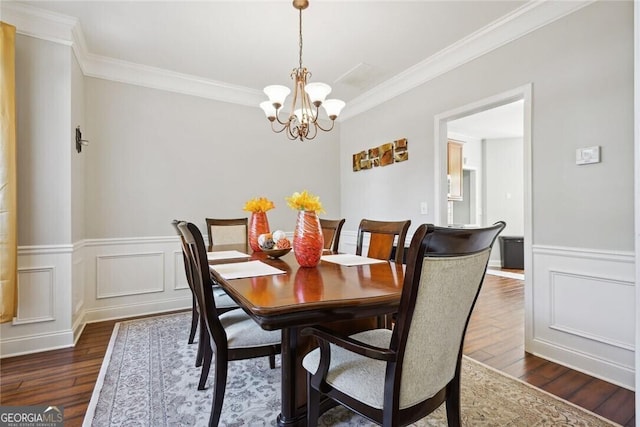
302 122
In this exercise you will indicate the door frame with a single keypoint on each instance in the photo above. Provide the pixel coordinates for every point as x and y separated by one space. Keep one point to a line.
440 178
636 145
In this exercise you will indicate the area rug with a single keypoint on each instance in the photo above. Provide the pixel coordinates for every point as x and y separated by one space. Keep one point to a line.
148 379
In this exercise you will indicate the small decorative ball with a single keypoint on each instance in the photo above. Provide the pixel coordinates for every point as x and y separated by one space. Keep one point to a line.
268 244
278 235
283 243
263 238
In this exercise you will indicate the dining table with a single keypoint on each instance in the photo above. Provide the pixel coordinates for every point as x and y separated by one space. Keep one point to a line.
343 292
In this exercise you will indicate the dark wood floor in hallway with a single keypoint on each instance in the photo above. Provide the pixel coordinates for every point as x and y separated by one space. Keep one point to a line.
495 337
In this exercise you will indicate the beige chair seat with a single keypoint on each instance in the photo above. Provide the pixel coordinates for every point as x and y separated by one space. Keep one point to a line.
357 376
222 299
242 331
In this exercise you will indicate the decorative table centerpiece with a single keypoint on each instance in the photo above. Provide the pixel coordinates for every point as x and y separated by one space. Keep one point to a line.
308 241
274 244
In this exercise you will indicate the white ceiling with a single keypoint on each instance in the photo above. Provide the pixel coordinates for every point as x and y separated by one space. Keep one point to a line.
506 121
255 43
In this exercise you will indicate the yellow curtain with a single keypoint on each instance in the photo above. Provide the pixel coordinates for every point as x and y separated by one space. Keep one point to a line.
8 176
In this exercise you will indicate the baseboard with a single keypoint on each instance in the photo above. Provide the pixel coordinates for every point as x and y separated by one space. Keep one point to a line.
78 327
606 370
131 310
36 343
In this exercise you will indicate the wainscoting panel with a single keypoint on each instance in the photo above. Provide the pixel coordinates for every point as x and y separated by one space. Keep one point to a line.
584 311
35 295
43 318
129 274
78 284
134 276
180 277
574 297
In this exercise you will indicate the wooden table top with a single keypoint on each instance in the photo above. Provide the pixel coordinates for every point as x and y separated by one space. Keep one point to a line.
306 296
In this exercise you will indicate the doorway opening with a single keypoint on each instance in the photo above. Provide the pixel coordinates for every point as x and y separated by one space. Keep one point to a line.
485 204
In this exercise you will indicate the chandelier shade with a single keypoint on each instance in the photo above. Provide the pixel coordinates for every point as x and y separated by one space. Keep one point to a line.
302 122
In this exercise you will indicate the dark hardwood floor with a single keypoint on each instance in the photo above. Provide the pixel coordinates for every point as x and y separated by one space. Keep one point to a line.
495 337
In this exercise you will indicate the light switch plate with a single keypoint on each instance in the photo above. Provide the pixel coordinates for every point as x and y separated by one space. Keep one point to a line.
424 208
588 155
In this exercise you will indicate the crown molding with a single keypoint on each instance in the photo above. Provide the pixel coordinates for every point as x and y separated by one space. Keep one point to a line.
42 24
39 23
157 78
529 17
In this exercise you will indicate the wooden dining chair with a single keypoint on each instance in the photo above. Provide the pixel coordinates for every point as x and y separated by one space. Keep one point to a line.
223 301
331 229
228 231
396 377
230 336
382 235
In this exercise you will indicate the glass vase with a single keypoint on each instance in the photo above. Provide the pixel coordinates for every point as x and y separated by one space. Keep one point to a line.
308 241
257 225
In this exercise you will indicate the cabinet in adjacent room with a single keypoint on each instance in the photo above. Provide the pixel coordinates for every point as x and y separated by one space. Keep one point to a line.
454 170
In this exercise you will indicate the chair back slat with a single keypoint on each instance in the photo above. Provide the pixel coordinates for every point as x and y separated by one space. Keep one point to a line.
227 231
331 229
380 246
383 235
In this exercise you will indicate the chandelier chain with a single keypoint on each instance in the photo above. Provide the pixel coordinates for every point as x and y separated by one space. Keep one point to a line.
300 39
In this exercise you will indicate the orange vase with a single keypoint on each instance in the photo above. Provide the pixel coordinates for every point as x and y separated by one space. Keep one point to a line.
257 225
308 241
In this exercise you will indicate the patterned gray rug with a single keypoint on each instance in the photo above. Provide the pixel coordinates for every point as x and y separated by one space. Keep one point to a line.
148 379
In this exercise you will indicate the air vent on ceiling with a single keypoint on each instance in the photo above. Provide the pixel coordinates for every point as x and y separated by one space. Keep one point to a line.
362 76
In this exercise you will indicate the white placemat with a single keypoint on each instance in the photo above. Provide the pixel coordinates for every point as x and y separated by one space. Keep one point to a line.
350 260
218 255
237 270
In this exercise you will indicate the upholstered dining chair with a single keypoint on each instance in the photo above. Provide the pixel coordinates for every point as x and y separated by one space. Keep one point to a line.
230 336
228 231
382 235
395 378
223 301
331 229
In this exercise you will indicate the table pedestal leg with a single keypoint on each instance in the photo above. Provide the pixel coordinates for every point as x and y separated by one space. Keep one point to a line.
291 416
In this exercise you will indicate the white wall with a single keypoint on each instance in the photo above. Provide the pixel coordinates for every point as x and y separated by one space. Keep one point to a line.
43 102
155 156
581 68
504 186
504 183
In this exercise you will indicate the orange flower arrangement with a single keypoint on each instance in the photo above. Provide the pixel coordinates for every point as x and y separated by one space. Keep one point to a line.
304 201
258 204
